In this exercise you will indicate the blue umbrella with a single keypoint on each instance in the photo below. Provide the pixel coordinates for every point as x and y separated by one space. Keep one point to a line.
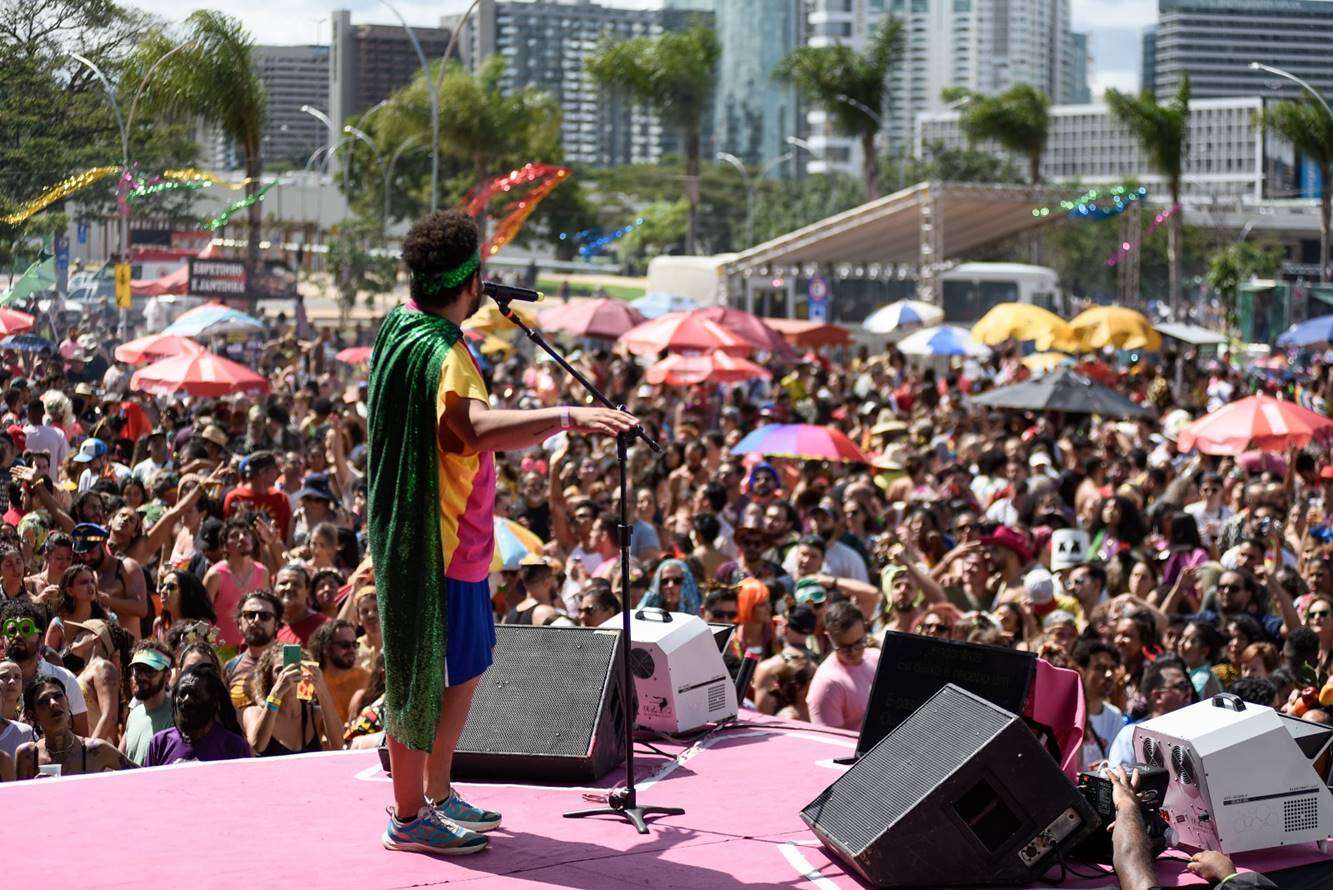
657 303
943 340
27 343
1313 332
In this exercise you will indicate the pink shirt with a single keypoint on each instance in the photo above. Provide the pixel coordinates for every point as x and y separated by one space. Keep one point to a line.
230 592
839 693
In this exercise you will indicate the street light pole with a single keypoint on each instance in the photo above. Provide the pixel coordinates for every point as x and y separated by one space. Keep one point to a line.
729 158
123 229
433 90
388 176
1256 66
384 172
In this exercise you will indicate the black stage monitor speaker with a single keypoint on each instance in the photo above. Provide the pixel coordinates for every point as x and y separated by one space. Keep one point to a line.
912 668
959 793
548 710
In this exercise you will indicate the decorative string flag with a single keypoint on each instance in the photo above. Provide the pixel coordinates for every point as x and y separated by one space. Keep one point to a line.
542 177
598 244
1118 199
146 189
1126 248
58 192
191 174
225 216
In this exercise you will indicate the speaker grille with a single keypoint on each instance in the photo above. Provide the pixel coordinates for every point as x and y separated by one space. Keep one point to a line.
544 693
893 777
1300 814
717 696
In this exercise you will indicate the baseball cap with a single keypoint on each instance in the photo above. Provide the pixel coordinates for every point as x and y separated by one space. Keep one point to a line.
1040 586
91 449
810 593
87 535
151 658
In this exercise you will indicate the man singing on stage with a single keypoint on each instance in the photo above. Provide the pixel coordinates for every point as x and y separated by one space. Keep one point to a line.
432 502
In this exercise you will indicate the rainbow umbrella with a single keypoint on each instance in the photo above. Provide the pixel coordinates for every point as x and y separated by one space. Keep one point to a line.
512 543
805 441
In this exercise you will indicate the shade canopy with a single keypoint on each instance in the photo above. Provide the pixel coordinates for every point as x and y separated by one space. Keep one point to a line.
747 326
1025 323
27 343
1192 334
1063 391
1114 326
353 355
154 347
714 367
488 319
1261 422
807 334
805 441
14 322
595 319
684 332
904 315
512 543
199 374
944 340
1311 332
214 319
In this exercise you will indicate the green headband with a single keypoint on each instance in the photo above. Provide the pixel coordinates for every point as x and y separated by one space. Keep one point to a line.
449 278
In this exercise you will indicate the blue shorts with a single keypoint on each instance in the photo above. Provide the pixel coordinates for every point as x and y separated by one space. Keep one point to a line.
471 619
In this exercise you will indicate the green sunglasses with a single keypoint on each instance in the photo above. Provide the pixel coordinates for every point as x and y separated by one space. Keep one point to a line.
19 627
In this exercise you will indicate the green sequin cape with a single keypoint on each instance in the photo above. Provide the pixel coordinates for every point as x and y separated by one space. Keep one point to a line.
403 518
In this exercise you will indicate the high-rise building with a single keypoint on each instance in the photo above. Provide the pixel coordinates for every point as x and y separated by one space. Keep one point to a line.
293 76
1216 40
986 46
1076 74
1230 157
369 63
1148 70
755 114
546 44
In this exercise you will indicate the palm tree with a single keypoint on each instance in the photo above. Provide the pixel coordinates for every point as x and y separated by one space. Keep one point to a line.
1307 125
850 87
1163 133
213 77
674 74
1018 119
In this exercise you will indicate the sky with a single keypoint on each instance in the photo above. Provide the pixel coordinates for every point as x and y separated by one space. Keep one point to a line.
1115 25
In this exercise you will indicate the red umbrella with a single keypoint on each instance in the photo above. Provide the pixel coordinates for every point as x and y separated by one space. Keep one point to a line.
200 374
353 355
154 347
684 332
807 334
1261 422
747 326
716 367
597 319
14 322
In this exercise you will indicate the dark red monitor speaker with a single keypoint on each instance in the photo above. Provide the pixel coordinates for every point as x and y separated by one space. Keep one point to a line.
959 793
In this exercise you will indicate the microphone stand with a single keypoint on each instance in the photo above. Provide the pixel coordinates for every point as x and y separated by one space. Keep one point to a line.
622 802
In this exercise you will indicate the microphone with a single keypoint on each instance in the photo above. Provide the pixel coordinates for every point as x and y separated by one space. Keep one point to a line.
504 293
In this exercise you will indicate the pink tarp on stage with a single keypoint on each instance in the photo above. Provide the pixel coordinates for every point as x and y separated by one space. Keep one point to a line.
314 821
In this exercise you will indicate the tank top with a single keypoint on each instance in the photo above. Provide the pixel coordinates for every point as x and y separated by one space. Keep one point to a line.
231 589
276 748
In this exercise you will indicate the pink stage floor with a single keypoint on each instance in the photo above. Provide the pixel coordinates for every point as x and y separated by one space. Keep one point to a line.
314 821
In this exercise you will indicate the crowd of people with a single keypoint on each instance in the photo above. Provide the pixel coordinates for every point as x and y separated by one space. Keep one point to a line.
187 578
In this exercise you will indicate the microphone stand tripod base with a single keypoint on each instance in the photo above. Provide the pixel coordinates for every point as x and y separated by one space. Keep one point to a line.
622 803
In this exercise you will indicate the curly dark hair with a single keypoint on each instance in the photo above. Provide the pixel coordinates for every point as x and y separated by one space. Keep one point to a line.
438 243
322 639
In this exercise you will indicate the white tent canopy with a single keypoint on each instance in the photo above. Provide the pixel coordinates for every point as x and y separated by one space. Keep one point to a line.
1191 334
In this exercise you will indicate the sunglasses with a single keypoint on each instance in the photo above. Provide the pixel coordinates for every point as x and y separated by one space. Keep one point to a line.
936 629
258 615
852 647
1317 613
19 627
343 644
722 615
672 582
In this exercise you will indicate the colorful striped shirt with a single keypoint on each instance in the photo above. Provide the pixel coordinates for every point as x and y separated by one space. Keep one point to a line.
467 478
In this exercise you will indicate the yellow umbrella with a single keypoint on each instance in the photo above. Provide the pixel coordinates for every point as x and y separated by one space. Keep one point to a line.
512 543
1022 321
1114 326
1042 362
488 320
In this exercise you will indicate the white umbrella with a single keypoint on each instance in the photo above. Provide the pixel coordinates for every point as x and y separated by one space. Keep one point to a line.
903 315
943 340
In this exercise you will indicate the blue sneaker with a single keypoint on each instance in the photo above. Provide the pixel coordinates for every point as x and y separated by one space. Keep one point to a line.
460 812
429 832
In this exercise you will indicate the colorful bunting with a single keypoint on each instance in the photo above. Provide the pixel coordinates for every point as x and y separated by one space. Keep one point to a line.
58 192
542 177
225 216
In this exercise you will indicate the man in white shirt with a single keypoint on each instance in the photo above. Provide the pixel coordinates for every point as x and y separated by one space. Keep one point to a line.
1209 512
158 458
97 464
43 437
